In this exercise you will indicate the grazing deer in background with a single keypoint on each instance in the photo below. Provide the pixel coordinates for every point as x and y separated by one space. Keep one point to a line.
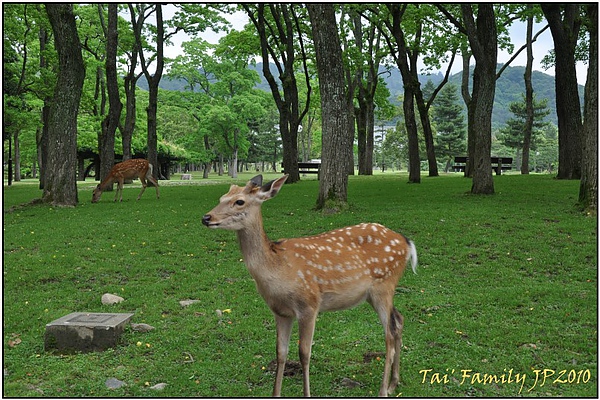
128 169
300 277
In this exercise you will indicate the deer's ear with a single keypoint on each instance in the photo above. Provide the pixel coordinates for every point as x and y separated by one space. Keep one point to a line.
256 181
270 189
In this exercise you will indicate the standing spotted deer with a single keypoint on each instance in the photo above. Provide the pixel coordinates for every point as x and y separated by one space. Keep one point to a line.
300 277
128 169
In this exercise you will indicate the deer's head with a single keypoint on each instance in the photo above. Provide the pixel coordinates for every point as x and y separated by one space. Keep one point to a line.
241 205
96 194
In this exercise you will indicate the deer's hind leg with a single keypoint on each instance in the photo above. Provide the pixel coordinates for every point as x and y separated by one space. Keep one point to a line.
397 324
144 184
152 180
391 320
155 183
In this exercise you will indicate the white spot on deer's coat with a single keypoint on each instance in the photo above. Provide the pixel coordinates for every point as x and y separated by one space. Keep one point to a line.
387 249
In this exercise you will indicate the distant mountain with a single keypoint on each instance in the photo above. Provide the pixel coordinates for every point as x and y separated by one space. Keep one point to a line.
509 88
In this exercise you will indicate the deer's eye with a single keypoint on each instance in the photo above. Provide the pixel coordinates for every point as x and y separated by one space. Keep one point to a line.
240 202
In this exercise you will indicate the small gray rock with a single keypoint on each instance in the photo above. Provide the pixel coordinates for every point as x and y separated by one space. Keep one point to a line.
158 386
108 299
185 303
141 327
114 383
349 383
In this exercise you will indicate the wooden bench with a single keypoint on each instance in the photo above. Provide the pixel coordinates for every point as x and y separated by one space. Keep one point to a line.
308 168
499 164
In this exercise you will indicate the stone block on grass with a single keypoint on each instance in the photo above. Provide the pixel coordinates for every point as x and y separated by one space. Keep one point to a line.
85 332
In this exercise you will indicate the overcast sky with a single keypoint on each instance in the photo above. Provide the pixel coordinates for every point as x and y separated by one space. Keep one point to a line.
541 47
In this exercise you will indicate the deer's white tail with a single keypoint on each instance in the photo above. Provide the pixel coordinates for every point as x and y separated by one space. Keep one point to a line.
412 255
149 173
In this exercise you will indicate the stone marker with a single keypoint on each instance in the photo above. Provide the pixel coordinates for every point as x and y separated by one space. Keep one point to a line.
85 332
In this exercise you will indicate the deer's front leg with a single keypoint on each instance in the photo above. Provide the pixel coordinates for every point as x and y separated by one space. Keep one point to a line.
306 325
284 330
119 190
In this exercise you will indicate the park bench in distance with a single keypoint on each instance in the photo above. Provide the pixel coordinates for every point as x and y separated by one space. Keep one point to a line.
499 164
313 167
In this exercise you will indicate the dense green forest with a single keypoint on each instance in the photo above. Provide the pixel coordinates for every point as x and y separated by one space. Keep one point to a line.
509 88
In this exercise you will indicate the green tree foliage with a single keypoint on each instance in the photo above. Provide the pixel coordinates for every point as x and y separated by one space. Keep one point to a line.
511 135
392 148
449 119
223 99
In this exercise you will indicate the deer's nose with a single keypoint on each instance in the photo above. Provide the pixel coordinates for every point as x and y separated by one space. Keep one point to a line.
206 219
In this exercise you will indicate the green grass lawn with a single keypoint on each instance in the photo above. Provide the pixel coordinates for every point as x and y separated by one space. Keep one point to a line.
504 303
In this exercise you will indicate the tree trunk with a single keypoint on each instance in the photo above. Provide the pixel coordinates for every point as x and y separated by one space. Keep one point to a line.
466 95
427 132
564 23
528 96
360 114
61 178
130 111
111 121
207 164
370 148
130 84
414 161
333 188
588 188
17 156
422 107
151 123
42 138
153 82
483 39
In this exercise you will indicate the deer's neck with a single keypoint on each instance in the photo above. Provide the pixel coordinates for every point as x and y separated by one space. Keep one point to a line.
256 248
108 181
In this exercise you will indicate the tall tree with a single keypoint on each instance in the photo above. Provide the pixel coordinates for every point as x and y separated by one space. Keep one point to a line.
60 187
528 96
130 84
481 31
280 36
414 36
588 189
365 52
400 53
515 135
565 21
153 79
336 120
190 18
16 80
46 97
111 121
450 124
